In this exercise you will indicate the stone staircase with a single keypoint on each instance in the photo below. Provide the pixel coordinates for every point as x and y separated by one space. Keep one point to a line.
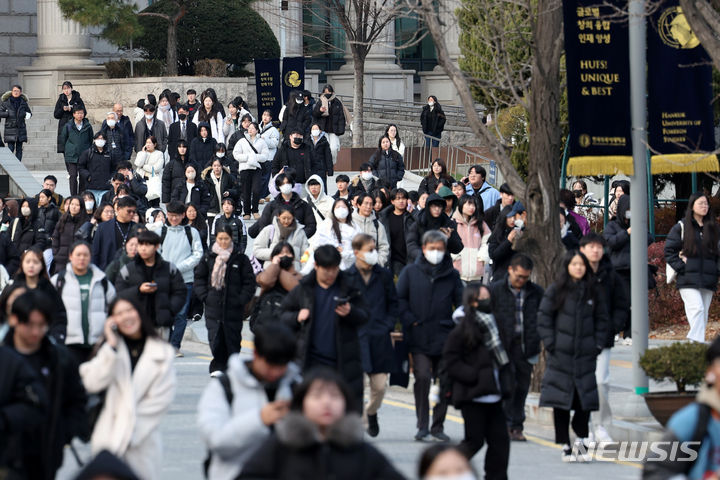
39 153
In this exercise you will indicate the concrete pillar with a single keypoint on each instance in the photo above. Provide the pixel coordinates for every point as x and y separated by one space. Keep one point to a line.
287 25
436 82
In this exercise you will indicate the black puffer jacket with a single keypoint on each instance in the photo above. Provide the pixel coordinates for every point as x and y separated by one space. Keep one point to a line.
301 209
618 240
65 116
349 362
238 229
63 237
428 296
573 335
174 175
299 119
426 222
199 195
28 232
201 152
335 121
500 248
320 157
229 303
9 255
96 168
615 297
58 324
701 270
227 184
167 300
388 166
296 158
432 121
48 216
14 113
502 301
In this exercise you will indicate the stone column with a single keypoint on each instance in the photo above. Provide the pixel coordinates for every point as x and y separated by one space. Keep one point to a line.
436 82
294 29
61 42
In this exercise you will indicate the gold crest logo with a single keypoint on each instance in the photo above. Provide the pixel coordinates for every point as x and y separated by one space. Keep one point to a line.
675 30
584 140
292 79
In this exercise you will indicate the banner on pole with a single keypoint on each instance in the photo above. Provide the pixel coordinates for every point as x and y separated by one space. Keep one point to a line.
598 78
680 112
267 81
293 75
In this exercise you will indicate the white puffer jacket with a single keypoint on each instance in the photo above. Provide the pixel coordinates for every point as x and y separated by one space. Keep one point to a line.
248 158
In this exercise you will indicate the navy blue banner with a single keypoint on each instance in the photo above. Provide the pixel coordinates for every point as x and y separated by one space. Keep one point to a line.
680 111
293 75
267 81
598 77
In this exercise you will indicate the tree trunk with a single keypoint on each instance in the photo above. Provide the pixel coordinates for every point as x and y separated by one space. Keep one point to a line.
172 64
705 23
358 130
542 239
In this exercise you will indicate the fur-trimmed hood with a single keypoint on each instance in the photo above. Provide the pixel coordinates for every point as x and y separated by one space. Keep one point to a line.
7 95
297 432
206 171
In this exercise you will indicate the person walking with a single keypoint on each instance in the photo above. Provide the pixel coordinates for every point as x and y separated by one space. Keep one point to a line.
111 234
514 302
433 217
432 120
235 222
96 167
572 323
173 175
192 190
135 370
225 283
332 117
509 226
337 230
474 234
474 361
68 99
302 211
27 230
251 152
400 228
275 282
220 184
210 112
295 153
387 164
16 111
294 116
284 228
365 221
691 249
150 126
429 291
376 349
321 164
77 136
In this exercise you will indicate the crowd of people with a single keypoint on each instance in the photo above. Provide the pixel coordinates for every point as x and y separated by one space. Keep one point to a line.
362 287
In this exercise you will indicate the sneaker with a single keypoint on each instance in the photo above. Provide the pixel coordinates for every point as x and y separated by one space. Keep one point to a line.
216 373
373 428
422 436
617 338
517 436
197 317
602 435
440 437
581 450
179 354
627 341
567 454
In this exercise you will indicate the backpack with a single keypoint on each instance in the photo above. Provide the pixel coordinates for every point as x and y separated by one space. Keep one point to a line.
227 389
188 234
267 309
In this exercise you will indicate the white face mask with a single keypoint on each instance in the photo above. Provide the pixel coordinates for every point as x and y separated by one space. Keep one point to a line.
111 123
298 101
315 133
149 117
431 104
89 204
190 175
341 213
220 154
26 212
367 176
434 256
461 476
100 143
371 257
286 189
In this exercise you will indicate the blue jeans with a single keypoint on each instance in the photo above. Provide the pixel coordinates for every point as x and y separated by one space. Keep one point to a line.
98 194
16 148
431 142
178 328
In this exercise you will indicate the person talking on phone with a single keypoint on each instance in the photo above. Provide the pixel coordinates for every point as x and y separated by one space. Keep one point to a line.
510 225
325 310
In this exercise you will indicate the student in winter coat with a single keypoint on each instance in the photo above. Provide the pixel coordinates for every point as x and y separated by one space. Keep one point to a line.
27 230
23 402
474 233
438 172
337 230
65 230
96 167
284 228
433 217
154 284
225 283
136 370
319 201
63 109
233 432
475 361
174 172
150 126
193 190
111 235
233 120
572 323
9 255
365 221
387 164
15 110
691 249
270 134
429 290
432 120
302 211
122 258
198 221
116 137
220 184
43 447
275 282
202 147
399 227
364 182
251 152
230 219
77 136
150 160
86 294
294 116
48 213
327 330
376 349
500 242
321 162
333 117
210 114
321 437
295 153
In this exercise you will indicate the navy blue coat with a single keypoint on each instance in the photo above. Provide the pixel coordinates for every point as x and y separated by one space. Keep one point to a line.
376 348
428 296
105 245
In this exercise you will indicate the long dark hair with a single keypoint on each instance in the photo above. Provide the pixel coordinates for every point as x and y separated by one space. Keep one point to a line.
709 230
82 216
146 324
397 133
323 375
200 220
479 215
443 171
20 275
565 283
335 221
501 230
470 330
203 116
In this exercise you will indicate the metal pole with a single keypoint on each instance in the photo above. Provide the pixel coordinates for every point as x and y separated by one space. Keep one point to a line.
606 210
132 59
563 172
651 194
638 196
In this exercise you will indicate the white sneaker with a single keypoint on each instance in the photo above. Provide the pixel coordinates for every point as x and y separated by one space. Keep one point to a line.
580 450
627 341
617 338
602 435
216 373
567 454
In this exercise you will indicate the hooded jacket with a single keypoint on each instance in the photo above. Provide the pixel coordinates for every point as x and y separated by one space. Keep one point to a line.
270 236
14 112
28 232
296 158
227 184
178 251
425 222
202 151
300 119
323 204
65 116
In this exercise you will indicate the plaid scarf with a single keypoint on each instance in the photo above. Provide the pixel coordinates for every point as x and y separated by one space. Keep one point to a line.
491 337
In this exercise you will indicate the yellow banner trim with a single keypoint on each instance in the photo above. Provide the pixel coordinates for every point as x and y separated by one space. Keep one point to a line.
600 165
684 162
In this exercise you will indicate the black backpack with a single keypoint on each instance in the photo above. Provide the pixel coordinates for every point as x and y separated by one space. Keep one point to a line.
227 389
267 309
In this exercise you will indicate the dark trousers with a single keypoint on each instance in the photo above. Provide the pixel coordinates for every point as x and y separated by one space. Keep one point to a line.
16 148
425 368
625 277
397 267
178 328
80 353
251 181
223 341
485 422
265 179
561 419
515 405
72 169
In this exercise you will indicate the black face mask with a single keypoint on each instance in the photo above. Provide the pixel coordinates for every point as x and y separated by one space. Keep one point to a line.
577 193
484 306
286 262
182 116
297 141
328 95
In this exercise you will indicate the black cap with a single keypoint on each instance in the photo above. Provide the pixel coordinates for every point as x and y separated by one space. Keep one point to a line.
107 465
